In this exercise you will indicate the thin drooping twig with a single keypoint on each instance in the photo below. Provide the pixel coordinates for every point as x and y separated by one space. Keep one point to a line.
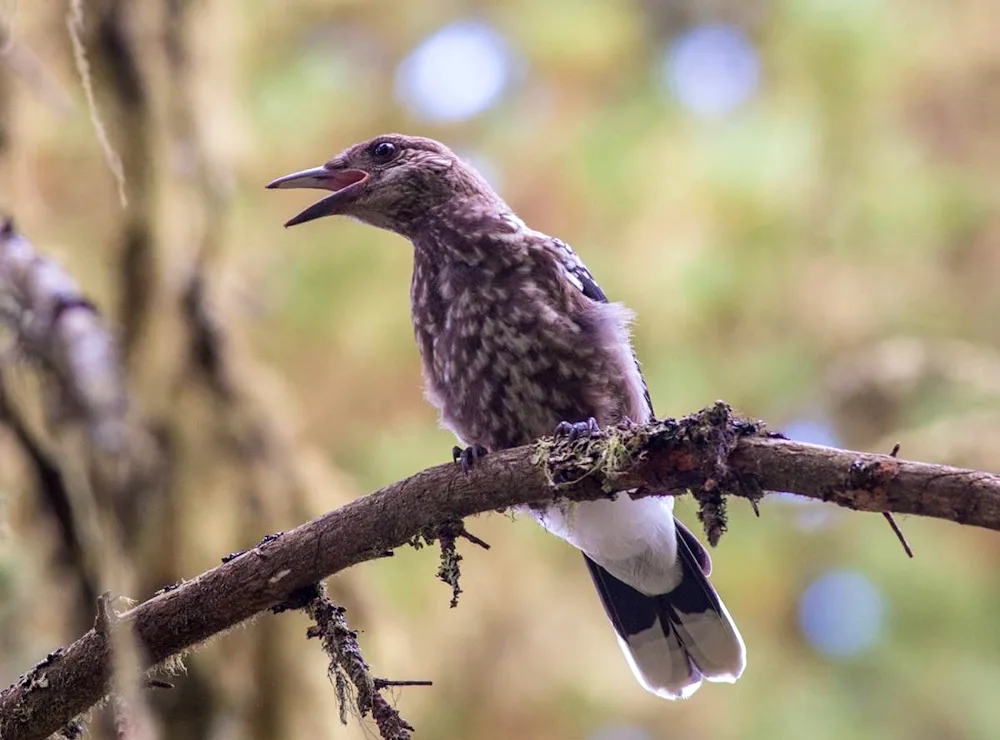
899 533
892 520
106 48
664 457
74 25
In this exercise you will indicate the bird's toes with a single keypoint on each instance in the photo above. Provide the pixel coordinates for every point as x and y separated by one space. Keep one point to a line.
564 429
579 429
468 456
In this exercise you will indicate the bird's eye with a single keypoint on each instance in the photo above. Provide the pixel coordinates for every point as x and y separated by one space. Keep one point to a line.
384 150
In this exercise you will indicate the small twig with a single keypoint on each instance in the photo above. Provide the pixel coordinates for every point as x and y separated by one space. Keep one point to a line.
382 683
106 617
899 533
892 521
467 535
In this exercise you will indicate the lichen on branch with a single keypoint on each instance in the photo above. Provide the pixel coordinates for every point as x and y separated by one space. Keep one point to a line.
347 666
708 436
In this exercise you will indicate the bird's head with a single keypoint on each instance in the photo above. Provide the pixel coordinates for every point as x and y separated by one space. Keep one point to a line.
390 181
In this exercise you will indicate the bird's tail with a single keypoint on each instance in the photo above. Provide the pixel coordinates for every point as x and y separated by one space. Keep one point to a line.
674 640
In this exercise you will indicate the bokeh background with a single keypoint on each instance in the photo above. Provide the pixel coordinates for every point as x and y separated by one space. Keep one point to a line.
798 197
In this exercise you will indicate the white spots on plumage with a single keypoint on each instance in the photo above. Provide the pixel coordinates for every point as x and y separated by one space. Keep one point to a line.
567 251
515 221
515 341
577 283
548 316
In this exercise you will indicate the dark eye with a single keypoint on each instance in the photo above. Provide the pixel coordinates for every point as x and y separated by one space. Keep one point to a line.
384 150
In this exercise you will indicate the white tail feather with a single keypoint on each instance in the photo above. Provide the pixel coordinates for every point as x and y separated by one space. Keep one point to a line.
660 663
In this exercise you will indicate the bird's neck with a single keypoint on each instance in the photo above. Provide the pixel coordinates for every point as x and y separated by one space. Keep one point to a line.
476 232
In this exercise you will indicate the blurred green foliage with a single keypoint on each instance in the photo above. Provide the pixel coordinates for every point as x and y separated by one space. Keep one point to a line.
769 255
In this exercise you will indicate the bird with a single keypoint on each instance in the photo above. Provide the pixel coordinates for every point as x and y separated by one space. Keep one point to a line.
518 341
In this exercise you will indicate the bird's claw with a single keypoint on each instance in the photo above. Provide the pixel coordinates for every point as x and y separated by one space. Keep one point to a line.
578 429
467 456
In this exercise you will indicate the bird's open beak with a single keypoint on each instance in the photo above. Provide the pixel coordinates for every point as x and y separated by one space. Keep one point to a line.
343 182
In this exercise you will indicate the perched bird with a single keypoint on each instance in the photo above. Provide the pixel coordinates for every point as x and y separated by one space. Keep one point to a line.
517 342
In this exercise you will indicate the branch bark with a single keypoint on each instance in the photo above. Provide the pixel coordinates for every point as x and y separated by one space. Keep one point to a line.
711 454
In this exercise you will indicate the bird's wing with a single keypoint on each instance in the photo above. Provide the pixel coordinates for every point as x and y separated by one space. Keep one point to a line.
578 274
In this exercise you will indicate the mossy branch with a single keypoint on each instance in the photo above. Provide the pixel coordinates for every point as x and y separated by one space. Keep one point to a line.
711 453
347 666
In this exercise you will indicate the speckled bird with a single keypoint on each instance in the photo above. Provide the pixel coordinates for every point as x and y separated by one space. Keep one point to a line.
518 341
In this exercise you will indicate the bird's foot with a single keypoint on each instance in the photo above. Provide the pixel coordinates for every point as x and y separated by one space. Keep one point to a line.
466 457
578 429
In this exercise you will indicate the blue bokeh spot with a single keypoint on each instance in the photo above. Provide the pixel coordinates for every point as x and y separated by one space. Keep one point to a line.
841 614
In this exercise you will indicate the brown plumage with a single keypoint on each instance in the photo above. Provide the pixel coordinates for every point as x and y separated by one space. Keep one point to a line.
517 338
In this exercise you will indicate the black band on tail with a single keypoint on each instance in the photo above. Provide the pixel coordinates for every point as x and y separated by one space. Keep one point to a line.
694 637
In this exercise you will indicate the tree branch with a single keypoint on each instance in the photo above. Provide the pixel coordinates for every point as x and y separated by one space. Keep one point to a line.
710 453
56 325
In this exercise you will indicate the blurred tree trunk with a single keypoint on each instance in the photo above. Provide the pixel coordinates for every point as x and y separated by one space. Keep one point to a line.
167 84
5 104
212 463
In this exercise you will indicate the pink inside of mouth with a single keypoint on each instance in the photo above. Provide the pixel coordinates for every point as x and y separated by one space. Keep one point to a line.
338 180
